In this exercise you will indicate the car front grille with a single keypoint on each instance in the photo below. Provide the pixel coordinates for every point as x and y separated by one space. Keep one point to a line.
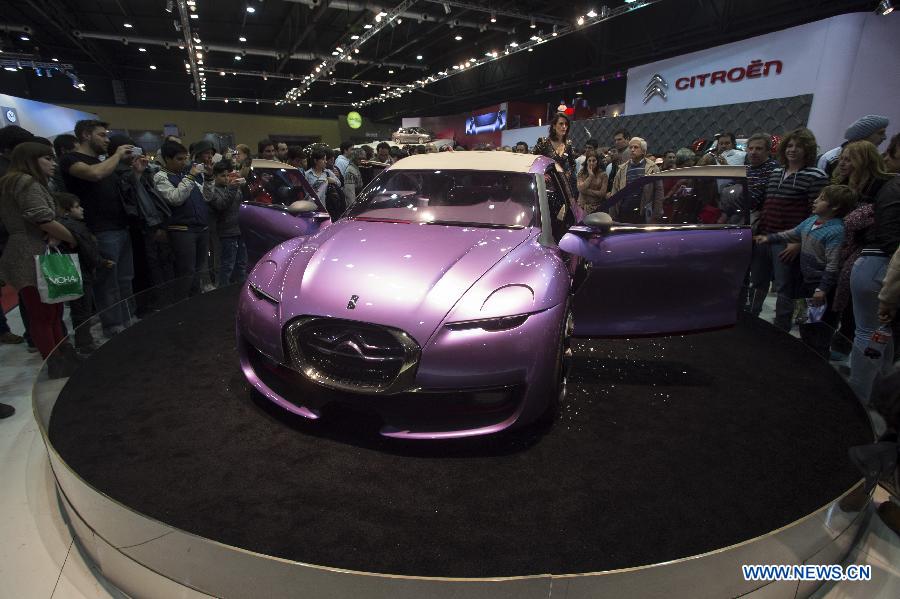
352 356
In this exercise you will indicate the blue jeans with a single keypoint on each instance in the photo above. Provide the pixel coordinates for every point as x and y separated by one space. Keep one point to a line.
767 266
232 261
865 284
112 285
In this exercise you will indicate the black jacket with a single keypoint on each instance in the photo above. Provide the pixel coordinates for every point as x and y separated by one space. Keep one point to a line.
141 199
88 254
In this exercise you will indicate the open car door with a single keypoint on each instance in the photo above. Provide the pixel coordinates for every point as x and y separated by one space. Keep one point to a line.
669 257
282 205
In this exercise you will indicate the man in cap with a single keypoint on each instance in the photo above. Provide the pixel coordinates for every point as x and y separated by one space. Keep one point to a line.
872 128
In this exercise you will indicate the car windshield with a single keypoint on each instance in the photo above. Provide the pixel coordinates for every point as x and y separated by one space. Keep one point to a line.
450 197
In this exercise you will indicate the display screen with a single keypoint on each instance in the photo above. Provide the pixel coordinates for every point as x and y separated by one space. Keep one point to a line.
486 123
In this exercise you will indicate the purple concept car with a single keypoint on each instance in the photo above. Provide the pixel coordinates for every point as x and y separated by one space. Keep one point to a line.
444 300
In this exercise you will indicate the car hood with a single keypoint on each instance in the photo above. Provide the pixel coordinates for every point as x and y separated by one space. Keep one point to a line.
406 276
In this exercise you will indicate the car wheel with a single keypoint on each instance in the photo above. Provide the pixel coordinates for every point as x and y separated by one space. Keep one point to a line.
561 371
564 357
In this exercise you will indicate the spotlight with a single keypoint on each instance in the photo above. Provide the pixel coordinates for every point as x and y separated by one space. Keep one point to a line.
493 18
884 8
242 39
142 49
251 10
152 67
418 57
237 57
128 25
592 13
532 25
458 38
25 38
580 20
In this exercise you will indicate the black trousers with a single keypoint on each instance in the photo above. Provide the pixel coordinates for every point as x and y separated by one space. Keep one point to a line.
190 249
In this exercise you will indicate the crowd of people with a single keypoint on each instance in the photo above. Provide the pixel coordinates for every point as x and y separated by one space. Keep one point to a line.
825 224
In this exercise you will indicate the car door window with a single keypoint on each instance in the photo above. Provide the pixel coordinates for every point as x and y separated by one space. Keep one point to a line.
681 198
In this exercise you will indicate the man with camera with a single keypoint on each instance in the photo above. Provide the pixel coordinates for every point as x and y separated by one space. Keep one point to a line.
95 183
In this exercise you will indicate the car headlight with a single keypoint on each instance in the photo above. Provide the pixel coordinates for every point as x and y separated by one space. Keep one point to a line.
502 323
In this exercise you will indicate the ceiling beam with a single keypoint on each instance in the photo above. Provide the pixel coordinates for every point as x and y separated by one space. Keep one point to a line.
67 26
421 17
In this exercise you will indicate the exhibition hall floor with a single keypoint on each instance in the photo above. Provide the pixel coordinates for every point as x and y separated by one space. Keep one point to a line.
39 559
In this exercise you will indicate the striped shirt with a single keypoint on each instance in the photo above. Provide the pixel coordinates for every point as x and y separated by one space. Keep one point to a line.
635 171
789 198
757 180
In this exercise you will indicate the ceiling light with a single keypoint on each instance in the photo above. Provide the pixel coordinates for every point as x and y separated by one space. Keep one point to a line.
391 72
418 57
25 38
884 8
142 49
513 45
350 92
367 26
242 39
458 38
238 57
128 25
251 10
592 13
152 67
354 37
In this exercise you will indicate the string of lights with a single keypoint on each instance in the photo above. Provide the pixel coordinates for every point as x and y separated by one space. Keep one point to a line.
326 67
537 38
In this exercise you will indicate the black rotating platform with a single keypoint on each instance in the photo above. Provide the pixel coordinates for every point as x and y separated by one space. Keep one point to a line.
665 448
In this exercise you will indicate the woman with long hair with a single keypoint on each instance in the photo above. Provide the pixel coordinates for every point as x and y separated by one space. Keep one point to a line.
28 212
558 147
880 241
592 181
862 169
790 192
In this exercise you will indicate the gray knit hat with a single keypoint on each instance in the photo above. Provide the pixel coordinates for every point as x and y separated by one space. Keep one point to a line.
865 127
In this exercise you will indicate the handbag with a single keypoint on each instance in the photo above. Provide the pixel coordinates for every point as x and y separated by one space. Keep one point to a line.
58 276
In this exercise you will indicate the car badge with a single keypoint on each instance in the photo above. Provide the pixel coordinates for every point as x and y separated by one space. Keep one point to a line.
656 87
351 305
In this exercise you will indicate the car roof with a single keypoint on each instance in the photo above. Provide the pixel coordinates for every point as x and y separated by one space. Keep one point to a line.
468 161
721 170
263 163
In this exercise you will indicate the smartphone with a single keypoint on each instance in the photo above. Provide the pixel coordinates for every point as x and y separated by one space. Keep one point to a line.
137 151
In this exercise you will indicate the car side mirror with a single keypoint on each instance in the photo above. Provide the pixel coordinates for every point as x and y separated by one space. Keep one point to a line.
599 220
302 206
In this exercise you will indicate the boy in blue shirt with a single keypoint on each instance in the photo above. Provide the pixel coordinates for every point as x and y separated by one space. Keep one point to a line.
820 236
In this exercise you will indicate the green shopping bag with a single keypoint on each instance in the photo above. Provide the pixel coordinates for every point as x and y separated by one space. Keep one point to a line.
58 276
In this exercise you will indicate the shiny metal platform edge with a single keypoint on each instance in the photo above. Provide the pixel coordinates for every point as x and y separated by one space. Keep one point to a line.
148 558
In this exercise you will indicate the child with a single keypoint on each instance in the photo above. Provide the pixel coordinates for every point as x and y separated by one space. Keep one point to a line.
225 200
71 216
820 236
